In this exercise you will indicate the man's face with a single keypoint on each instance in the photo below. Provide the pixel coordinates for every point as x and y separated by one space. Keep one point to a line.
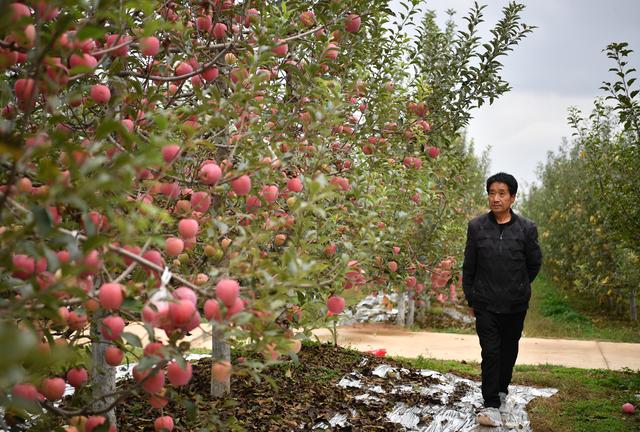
500 200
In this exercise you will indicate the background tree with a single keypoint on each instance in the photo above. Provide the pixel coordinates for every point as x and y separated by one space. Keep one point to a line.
590 185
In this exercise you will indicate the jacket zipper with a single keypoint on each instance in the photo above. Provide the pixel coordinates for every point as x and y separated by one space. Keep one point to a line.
500 247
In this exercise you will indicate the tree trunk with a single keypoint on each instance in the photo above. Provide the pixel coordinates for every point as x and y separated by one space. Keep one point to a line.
633 305
103 376
421 309
400 319
411 312
427 302
220 350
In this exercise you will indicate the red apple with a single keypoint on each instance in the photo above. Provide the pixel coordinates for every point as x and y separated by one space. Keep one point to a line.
157 401
170 152
628 408
154 382
228 290
330 249
331 52
236 307
219 31
203 23
163 424
253 204
25 89
100 93
210 173
77 377
116 40
212 310
186 293
113 356
281 49
8 58
200 201
149 46
181 312
270 193
19 11
53 388
134 250
308 18
27 392
76 321
111 296
173 246
188 228
23 266
183 68
221 370
179 376
210 74
154 348
85 60
352 23
112 327
335 304
92 262
241 185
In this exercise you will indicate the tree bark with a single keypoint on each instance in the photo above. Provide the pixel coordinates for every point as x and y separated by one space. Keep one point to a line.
400 319
411 311
633 305
220 350
103 376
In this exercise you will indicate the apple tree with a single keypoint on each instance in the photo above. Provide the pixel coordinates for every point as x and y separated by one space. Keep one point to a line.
247 163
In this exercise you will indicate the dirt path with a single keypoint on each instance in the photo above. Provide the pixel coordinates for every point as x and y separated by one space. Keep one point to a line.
448 346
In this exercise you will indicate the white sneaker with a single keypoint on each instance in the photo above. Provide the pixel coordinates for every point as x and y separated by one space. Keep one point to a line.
489 417
503 402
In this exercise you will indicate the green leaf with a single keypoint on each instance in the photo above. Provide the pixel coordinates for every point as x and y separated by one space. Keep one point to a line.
190 407
106 127
132 339
148 362
43 221
182 363
91 31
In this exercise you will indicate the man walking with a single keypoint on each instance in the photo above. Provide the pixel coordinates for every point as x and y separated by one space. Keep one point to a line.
501 259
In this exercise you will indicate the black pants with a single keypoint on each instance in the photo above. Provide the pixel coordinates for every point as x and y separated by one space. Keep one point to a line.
499 335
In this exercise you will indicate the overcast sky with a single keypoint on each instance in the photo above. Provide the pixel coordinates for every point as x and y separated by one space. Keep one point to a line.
560 64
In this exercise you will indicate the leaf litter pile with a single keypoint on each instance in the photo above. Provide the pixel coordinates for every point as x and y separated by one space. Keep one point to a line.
290 396
328 389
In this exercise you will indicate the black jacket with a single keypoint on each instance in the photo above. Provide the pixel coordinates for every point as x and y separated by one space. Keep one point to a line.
499 267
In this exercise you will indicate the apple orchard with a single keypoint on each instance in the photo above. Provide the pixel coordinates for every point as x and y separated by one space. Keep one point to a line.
258 165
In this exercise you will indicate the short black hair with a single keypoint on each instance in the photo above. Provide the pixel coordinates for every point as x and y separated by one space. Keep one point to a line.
501 177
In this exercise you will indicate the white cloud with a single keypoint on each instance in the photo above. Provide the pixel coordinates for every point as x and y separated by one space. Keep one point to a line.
521 127
561 64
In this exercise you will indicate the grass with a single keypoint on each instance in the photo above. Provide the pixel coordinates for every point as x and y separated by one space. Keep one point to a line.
553 314
588 400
